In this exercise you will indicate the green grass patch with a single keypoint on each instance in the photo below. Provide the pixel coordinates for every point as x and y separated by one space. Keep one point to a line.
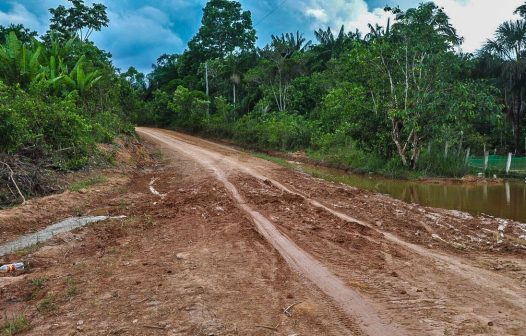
71 285
39 283
277 160
46 306
87 183
15 325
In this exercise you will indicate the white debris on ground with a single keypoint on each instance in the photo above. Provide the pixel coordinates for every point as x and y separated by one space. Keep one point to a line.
49 232
152 189
502 227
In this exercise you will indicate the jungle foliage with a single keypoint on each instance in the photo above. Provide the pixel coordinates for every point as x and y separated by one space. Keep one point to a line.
60 96
385 100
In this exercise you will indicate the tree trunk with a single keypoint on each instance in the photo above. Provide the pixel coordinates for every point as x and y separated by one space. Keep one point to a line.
396 140
417 147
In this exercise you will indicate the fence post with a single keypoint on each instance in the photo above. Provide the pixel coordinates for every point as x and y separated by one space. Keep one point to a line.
486 157
446 149
508 164
467 156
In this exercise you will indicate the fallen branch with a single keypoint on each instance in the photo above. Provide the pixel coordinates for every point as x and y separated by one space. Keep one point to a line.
287 312
154 327
268 327
11 176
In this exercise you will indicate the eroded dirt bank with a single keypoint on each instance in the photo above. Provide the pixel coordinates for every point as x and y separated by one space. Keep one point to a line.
228 241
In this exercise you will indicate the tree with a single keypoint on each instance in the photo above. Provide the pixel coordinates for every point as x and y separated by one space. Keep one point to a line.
77 21
225 29
22 33
402 67
136 79
189 109
509 45
288 44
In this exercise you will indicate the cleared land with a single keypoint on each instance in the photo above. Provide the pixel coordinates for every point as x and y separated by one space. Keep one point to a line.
225 242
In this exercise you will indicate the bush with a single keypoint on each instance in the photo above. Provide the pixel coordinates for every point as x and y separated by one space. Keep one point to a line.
13 125
433 163
54 127
276 130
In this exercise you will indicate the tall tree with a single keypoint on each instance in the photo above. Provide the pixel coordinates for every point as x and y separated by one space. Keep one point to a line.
225 29
77 21
403 67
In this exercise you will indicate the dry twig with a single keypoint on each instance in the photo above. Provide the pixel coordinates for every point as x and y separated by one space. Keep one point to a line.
287 312
268 327
11 176
154 327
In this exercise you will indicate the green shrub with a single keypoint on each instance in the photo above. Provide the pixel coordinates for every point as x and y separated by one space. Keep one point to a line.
14 325
190 109
434 163
276 130
13 126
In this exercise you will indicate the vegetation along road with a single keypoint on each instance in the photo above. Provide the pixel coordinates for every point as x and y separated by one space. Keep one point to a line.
120 216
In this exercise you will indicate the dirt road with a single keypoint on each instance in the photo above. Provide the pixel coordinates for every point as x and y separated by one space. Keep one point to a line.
370 315
221 243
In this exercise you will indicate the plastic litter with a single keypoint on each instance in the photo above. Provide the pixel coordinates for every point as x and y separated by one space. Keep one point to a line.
8 268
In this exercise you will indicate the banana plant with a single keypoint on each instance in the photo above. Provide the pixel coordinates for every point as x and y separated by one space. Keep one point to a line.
79 80
59 77
19 64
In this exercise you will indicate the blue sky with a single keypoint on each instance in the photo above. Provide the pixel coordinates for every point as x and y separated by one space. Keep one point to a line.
140 30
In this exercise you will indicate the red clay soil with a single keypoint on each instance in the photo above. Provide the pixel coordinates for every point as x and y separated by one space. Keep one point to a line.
218 242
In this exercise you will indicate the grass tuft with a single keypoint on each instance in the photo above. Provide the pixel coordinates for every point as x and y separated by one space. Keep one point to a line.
14 325
87 183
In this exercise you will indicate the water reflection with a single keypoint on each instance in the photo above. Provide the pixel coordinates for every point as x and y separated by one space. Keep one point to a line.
507 200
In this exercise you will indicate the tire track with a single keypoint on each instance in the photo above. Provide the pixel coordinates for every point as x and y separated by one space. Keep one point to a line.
357 307
476 275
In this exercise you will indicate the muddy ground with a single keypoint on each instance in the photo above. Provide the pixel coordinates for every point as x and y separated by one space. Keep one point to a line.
225 242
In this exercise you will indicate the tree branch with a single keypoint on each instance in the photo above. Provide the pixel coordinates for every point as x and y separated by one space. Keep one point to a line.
11 176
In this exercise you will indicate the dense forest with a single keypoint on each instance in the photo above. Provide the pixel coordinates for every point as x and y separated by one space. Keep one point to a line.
60 96
398 98
388 100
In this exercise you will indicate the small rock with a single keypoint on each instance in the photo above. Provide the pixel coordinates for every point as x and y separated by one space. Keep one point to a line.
490 323
83 191
182 255
403 292
80 322
153 303
419 290
394 274
135 321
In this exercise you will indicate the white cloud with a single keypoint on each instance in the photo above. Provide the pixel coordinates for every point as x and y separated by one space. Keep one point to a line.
18 14
318 14
477 20
354 14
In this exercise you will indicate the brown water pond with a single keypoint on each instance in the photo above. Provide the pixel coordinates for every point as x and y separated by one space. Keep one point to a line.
504 200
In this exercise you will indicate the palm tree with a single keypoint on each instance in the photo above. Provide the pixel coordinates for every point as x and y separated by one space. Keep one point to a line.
331 44
509 45
288 44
